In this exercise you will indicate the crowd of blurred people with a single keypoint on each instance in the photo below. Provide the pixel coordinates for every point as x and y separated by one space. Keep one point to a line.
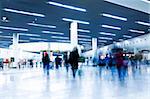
70 61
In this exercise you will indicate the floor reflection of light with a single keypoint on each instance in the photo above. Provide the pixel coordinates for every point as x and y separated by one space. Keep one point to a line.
2 79
58 87
33 85
129 71
148 70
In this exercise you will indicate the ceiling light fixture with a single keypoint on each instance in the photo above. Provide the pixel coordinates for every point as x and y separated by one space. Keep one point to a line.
84 36
64 41
24 40
127 36
111 27
114 17
5 42
41 25
5 36
67 6
104 33
84 42
106 38
104 41
38 39
136 31
81 39
59 37
23 12
13 28
143 23
29 34
50 32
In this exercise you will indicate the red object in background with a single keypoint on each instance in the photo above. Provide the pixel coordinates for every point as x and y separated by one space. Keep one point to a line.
45 53
6 61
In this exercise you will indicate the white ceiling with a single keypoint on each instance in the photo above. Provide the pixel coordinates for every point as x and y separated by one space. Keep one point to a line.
134 4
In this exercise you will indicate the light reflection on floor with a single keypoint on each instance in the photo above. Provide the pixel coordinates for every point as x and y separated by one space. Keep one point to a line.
91 84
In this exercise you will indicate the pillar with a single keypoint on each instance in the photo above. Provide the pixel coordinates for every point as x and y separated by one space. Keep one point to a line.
94 44
74 33
49 48
15 49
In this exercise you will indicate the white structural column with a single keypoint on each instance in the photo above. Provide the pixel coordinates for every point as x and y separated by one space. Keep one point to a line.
15 49
94 44
74 33
49 48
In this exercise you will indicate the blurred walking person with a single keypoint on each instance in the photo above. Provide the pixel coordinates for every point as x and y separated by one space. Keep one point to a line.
119 63
58 62
46 61
31 63
138 57
66 64
73 60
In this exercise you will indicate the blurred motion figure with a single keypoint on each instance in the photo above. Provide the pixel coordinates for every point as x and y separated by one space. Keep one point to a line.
73 60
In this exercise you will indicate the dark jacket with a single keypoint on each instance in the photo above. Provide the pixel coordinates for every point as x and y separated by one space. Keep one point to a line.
73 59
65 57
46 59
58 60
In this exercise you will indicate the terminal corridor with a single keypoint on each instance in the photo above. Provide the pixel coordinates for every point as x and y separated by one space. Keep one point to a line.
74 49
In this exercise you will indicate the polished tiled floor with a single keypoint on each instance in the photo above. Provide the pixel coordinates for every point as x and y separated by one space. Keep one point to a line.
91 83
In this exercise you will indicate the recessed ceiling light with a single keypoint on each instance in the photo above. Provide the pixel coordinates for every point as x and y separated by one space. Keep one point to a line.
106 38
111 27
104 33
104 41
136 31
72 20
38 39
42 25
13 28
5 42
127 36
29 34
23 12
1 32
5 36
67 6
84 42
64 41
24 40
81 30
86 36
50 32
81 39
114 17
143 23
59 37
